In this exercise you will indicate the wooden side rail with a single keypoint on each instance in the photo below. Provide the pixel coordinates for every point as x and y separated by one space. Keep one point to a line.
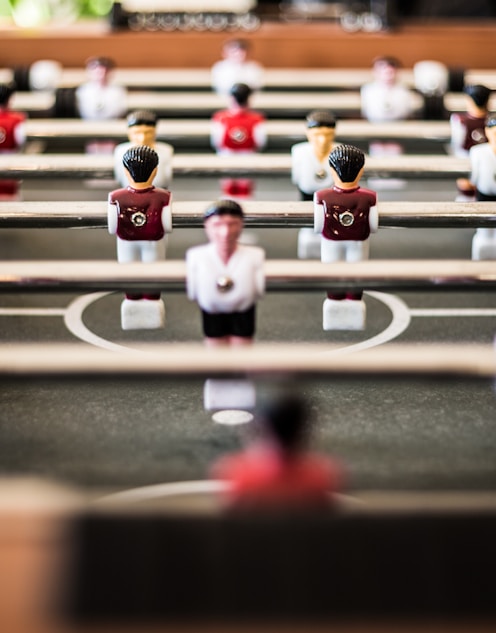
259 214
336 568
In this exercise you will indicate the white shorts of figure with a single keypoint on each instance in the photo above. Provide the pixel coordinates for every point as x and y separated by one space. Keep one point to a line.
140 250
343 250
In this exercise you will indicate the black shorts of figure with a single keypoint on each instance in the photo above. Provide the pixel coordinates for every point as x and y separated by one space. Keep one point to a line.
229 324
483 197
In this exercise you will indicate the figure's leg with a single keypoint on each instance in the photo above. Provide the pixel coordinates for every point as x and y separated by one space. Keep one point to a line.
127 252
345 310
484 244
141 311
152 251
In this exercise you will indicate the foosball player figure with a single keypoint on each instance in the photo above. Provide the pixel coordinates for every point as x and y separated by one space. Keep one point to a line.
386 98
226 279
100 99
142 130
140 216
310 171
482 184
235 67
468 128
277 472
238 130
12 137
345 215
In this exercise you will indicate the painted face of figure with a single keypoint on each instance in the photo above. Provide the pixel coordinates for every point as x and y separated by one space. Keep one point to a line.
236 54
385 73
99 73
224 231
321 139
142 135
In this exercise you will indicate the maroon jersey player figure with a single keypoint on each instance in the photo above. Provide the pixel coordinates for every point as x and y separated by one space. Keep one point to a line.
140 216
238 130
12 137
345 215
467 128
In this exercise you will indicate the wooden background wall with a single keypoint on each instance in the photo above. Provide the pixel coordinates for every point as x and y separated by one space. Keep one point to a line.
275 45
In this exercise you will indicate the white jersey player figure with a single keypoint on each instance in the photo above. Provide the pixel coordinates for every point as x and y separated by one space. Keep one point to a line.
345 216
235 67
482 183
382 100
310 171
140 216
142 130
386 98
100 99
226 279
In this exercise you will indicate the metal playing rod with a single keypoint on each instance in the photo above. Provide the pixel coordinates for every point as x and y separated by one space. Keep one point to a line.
194 78
259 214
178 129
81 166
281 275
272 103
177 361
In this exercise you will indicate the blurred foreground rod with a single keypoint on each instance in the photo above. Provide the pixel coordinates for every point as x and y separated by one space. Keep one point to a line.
177 361
281 275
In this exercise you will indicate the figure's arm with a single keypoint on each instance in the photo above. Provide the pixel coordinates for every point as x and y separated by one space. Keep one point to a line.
190 276
260 275
467 185
167 216
20 134
318 214
260 135
374 219
165 165
295 166
216 135
112 213
457 132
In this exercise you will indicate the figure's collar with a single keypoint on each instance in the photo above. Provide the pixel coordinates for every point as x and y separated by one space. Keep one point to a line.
342 190
137 190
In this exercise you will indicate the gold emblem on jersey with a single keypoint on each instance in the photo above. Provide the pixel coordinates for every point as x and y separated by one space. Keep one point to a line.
224 284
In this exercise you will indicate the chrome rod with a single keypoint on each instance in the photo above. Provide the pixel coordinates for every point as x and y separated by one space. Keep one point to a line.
259 214
281 275
81 166
175 130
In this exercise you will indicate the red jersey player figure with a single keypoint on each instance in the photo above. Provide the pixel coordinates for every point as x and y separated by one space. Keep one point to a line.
140 216
238 130
345 215
226 279
276 473
12 137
